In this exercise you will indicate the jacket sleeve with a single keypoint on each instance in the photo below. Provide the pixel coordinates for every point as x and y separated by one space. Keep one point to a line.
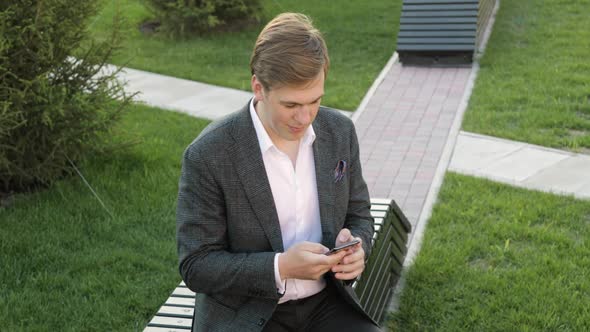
205 263
358 216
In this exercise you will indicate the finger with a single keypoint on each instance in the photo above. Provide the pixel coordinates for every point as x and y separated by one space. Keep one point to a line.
349 275
353 253
360 240
316 248
358 255
354 248
358 245
343 236
335 258
347 268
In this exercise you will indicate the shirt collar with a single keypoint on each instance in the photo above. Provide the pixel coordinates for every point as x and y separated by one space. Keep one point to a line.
264 139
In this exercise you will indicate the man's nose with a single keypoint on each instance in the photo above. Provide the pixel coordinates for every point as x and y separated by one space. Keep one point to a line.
303 115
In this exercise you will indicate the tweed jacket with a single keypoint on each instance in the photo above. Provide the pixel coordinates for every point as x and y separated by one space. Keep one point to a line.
227 225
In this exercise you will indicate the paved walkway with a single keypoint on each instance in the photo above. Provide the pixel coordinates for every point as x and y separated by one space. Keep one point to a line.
194 98
404 130
522 165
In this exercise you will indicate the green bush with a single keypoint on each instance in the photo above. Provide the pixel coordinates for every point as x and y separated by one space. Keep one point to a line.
186 17
54 108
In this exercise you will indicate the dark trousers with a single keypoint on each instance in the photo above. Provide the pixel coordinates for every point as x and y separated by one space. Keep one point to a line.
326 311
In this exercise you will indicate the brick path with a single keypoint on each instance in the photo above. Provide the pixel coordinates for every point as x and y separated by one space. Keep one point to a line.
403 130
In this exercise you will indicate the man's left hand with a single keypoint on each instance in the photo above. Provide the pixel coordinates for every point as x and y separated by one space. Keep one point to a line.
353 264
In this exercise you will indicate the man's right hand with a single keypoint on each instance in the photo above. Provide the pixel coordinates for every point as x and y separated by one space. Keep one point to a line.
307 260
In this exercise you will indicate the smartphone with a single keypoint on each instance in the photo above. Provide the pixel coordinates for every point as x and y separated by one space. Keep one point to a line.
343 246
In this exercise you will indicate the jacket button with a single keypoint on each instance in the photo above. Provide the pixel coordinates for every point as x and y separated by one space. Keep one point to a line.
261 322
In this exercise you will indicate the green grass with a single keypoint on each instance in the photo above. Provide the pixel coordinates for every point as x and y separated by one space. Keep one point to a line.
497 258
360 36
66 265
534 83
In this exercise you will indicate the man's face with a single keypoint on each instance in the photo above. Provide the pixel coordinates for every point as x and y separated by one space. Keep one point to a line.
286 112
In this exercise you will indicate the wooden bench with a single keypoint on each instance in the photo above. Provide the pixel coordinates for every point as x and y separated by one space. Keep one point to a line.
374 287
384 266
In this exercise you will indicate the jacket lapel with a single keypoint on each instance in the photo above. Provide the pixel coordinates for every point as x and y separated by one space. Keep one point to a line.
247 159
325 181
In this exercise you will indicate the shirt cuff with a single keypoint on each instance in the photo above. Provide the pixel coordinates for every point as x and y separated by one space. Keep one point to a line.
281 285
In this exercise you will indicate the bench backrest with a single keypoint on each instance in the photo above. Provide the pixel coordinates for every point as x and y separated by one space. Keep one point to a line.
384 266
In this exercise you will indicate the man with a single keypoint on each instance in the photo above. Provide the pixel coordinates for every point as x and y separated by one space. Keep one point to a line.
266 191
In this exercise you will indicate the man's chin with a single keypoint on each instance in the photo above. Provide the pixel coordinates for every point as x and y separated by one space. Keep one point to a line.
291 136
297 137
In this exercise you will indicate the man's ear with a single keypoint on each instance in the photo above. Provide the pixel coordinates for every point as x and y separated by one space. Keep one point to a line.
257 88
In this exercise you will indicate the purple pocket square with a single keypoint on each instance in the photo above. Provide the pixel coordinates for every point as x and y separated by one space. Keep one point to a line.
340 170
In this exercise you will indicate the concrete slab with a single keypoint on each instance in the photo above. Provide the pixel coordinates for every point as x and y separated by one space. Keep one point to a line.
522 164
160 99
135 75
583 192
474 152
569 175
161 91
195 98
213 103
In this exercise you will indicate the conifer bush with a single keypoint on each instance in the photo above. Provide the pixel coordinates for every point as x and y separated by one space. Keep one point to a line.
188 17
54 108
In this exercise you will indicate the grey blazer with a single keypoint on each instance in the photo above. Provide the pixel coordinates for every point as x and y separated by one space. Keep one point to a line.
227 225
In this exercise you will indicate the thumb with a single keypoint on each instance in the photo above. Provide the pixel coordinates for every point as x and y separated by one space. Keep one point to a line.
343 236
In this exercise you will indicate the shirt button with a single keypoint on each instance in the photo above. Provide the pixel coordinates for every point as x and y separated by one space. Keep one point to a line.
261 322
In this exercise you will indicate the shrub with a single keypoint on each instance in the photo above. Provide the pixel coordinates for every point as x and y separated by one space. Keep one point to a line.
185 17
54 108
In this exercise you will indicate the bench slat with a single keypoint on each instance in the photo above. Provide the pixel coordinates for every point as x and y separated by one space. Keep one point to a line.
381 285
163 329
171 322
378 214
183 292
379 207
399 215
374 263
181 301
377 286
384 300
182 312
381 201
401 231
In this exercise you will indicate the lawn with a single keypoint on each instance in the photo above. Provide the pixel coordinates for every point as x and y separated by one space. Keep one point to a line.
498 258
534 81
360 36
68 266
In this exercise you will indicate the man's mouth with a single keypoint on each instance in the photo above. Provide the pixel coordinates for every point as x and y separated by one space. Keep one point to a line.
296 129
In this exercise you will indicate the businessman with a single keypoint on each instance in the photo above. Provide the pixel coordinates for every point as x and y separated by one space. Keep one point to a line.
264 194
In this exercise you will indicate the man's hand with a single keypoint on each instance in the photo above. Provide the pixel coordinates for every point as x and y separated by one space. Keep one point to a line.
307 260
353 263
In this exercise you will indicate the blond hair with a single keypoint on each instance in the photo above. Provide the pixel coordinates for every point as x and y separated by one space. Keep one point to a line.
289 51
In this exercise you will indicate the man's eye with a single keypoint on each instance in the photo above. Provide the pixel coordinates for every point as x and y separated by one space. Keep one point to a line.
290 106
